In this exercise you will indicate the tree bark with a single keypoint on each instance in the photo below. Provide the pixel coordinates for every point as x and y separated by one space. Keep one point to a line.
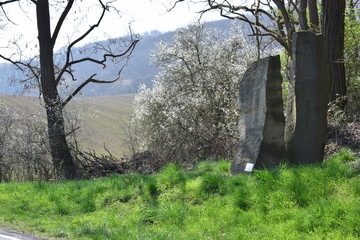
313 14
60 151
302 15
333 27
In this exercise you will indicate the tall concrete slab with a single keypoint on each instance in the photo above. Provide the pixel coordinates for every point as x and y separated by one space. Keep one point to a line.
306 125
262 120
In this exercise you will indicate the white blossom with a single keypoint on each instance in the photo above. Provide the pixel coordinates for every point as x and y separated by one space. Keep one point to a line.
191 111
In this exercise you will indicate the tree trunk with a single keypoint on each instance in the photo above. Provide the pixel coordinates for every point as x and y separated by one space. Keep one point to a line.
60 152
302 15
333 27
313 14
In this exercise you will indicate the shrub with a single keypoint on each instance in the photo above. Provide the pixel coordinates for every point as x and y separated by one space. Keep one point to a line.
191 111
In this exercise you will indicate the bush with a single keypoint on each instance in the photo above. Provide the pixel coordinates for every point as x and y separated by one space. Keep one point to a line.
24 147
191 111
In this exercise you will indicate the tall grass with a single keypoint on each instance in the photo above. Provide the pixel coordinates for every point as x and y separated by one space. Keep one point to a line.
305 202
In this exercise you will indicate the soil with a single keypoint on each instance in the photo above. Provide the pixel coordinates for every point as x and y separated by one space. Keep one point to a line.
343 134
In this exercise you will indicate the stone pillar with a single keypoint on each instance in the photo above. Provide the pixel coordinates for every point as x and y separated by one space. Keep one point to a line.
262 121
306 125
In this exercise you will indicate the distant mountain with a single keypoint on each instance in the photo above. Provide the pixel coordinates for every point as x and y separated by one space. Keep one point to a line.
139 69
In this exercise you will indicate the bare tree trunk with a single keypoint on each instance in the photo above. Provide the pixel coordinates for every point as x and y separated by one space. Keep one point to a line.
60 152
302 15
333 27
313 14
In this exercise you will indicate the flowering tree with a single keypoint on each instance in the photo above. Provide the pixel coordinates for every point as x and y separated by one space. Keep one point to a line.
191 111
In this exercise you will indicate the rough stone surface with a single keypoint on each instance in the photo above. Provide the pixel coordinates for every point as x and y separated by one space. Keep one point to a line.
262 120
305 131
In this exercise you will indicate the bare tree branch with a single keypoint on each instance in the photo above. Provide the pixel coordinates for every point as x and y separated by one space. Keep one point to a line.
16 63
105 56
3 10
169 10
33 70
61 21
89 80
71 45
279 12
73 130
288 25
9 1
283 36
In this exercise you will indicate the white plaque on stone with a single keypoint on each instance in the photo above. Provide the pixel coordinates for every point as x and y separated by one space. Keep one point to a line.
249 167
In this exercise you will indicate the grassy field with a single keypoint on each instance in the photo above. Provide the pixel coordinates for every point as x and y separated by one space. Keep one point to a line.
102 122
101 118
307 202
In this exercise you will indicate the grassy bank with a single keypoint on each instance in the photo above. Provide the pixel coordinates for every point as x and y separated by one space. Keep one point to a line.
309 202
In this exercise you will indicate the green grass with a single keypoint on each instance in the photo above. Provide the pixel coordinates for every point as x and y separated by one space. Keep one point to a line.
305 202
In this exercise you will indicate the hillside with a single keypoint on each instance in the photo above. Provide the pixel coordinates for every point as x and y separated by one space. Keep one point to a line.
101 118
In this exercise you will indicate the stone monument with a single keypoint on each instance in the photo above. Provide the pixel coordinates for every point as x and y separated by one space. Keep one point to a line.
262 121
306 125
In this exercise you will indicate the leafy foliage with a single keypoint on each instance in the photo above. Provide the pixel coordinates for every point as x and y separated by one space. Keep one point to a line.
352 60
191 112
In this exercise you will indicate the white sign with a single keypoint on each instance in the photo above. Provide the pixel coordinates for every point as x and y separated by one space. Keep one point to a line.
249 167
